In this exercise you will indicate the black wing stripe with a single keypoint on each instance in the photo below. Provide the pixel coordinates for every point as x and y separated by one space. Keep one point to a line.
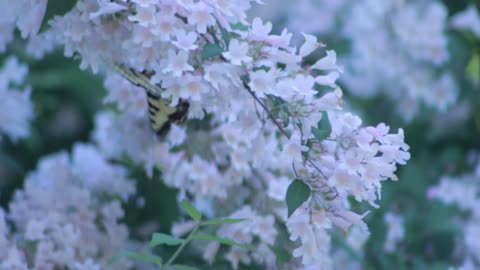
152 106
152 112
151 95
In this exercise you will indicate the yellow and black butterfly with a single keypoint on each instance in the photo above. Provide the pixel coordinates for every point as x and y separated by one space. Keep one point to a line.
162 114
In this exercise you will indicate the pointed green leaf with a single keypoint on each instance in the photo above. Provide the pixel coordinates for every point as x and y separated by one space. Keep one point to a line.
226 36
222 221
164 239
211 50
128 254
183 267
297 193
323 129
222 241
192 211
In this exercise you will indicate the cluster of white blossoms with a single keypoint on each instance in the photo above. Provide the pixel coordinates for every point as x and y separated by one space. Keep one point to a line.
396 47
463 192
16 108
66 216
395 231
259 117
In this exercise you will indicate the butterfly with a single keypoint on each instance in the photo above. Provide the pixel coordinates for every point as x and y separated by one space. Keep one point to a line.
162 113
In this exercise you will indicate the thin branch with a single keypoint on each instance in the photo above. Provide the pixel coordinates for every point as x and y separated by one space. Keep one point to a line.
284 132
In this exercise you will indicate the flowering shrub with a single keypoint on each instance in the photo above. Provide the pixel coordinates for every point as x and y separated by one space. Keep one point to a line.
270 156
462 192
66 215
396 49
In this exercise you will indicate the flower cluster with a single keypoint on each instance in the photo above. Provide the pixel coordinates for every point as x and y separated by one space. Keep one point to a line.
395 231
396 47
67 214
259 117
258 231
463 192
16 109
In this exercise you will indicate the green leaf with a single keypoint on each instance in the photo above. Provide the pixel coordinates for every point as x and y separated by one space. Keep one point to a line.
297 193
222 241
222 221
164 239
239 26
183 267
283 256
135 255
226 36
473 68
192 211
323 129
211 50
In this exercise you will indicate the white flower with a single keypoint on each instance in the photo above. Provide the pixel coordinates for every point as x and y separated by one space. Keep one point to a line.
177 63
260 31
467 20
185 41
145 16
31 19
293 148
201 17
191 87
238 53
143 36
262 82
310 45
328 62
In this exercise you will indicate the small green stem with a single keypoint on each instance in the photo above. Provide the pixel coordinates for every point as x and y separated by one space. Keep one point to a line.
181 247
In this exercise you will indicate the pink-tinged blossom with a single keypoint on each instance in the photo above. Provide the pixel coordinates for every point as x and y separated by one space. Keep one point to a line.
201 17
238 53
191 87
260 31
177 63
145 16
164 26
143 36
262 82
185 40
